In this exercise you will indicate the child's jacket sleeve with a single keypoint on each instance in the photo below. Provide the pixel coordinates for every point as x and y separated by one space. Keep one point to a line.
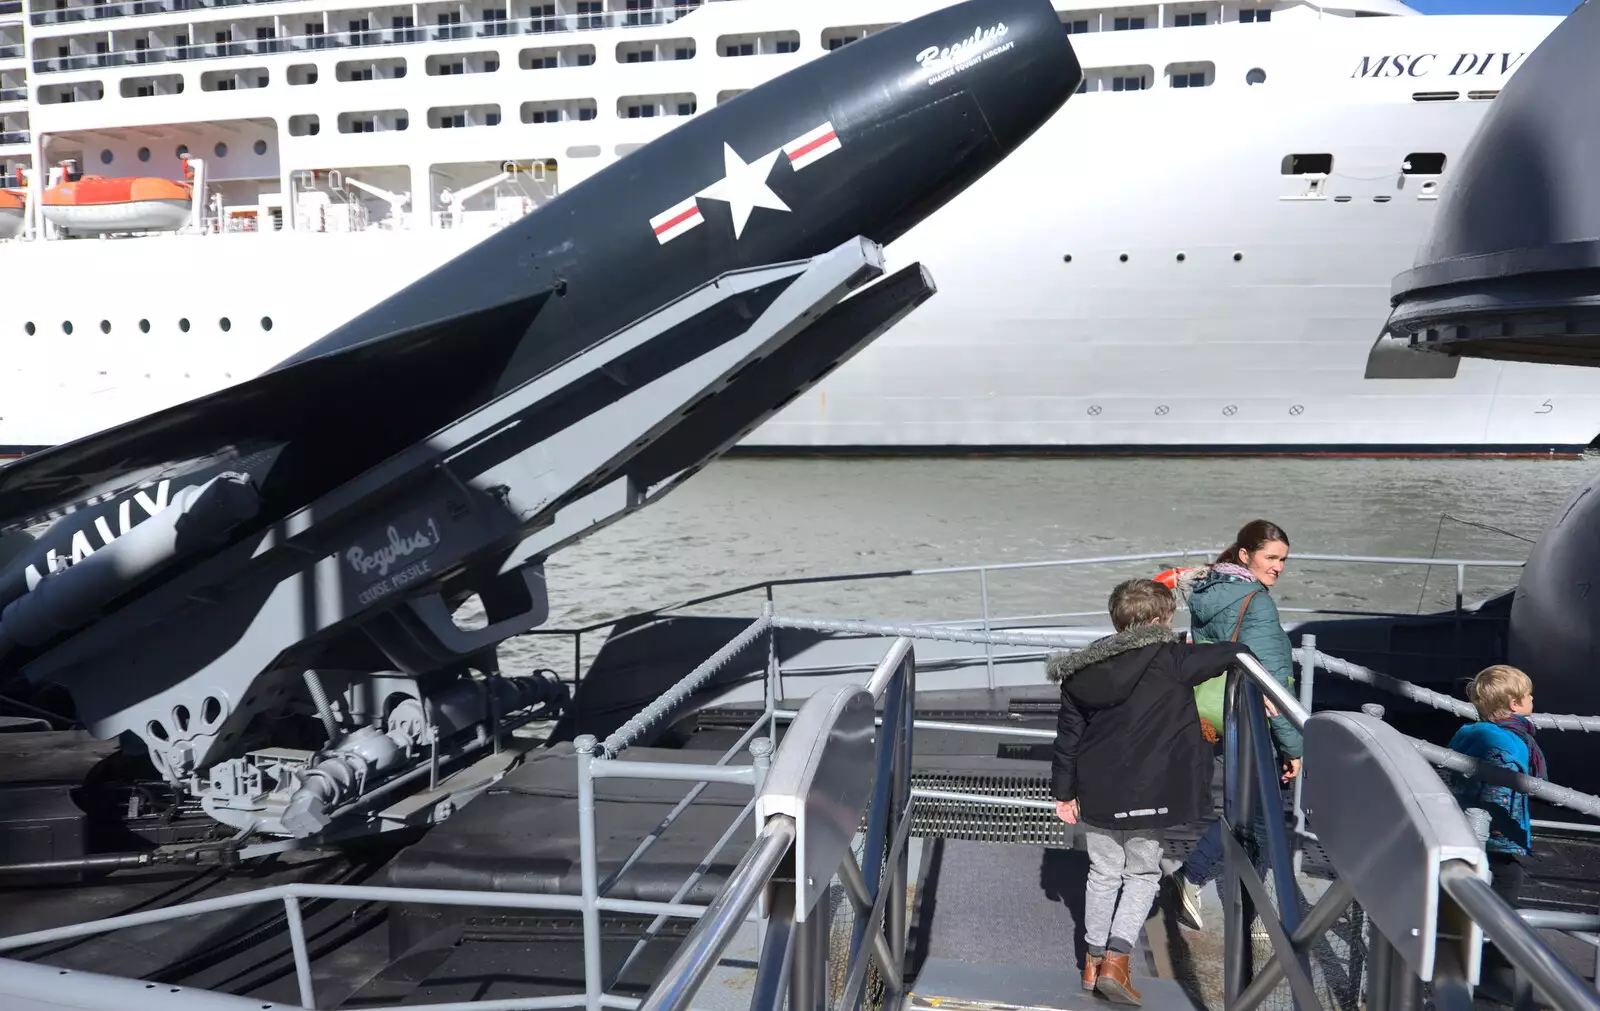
1064 760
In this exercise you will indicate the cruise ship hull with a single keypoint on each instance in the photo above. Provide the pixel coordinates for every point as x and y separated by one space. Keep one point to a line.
1140 276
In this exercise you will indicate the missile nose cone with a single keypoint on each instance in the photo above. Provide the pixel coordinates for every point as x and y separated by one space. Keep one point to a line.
1026 69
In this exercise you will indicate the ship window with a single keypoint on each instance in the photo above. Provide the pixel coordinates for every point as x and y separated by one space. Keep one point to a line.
105 326
724 96
266 322
1255 76
225 323
66 328
1247 17
1430 164
1127 84
1189 20
260 147
1126 24
144 154
1076 27
304 126
144 326
106 157
1307 164
29 329
183 149
1191 75
221 150
759 44
183 324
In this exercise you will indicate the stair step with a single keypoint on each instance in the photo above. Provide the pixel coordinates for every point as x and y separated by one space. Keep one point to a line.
949 985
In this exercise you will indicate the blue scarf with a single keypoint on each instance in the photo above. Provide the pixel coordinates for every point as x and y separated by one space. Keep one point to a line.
1523 728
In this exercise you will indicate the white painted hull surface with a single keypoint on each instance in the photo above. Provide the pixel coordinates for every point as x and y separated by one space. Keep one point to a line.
1206 304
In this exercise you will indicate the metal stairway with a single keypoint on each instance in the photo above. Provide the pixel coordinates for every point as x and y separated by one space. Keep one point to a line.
999 926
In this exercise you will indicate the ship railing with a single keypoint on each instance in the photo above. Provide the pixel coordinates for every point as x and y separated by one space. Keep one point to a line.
1422 904
15 137
495 27
1425 907
808 803
988 579
13 94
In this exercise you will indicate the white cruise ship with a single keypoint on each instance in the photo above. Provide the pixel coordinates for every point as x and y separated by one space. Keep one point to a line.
1194 255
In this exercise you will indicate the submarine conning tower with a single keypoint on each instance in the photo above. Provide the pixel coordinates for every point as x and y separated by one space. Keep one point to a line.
1511 271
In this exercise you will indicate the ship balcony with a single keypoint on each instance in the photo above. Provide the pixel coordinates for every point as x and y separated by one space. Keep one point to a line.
13 97
542 17
15 140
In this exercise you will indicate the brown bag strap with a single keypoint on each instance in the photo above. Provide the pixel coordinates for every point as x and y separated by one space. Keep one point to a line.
1240 623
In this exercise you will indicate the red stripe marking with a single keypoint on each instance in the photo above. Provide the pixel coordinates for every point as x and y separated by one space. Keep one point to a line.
801 152
680 219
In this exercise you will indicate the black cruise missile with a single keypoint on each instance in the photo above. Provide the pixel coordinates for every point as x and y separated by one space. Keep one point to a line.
866 141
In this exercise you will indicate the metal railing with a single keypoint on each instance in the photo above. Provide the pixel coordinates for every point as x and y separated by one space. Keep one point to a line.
1430 931
809 801
988 620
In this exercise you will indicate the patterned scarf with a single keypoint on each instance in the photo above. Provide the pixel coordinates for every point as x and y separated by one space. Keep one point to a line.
1523 728
1232 569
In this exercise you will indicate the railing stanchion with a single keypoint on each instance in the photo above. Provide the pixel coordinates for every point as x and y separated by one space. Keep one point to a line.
302 958
589 872
1308 676
761 759
988 647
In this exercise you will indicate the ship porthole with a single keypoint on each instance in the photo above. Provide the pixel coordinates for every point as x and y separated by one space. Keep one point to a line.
105 326
106 157
144 154
266 322
66 328
1255 76
1123 257
225 323
1182 257
144 326
1067 258
182 150
1237 257
183 324
261 147
221 149
29 329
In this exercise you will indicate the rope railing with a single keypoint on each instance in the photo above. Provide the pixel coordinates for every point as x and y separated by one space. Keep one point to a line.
1455 761
669 700
1438 700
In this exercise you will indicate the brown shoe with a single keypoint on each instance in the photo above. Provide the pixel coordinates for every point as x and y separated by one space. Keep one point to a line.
1113 982
1091 970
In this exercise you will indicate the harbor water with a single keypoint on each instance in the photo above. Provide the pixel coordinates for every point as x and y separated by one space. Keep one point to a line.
750 519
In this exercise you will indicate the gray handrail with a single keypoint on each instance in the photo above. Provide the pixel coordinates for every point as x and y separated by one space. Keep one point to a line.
1285 703
1514 937
682 976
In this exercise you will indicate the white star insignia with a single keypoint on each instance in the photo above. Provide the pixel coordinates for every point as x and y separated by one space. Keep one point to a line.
744 186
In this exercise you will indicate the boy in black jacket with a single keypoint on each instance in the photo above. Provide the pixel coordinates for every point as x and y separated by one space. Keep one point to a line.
1130 760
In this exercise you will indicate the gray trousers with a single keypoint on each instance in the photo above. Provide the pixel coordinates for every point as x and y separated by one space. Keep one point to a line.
1125 861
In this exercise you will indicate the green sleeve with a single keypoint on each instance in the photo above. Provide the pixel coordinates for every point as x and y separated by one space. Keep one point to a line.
1262 631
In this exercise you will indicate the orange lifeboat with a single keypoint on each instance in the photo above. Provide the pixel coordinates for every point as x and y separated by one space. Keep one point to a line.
94 204
13 211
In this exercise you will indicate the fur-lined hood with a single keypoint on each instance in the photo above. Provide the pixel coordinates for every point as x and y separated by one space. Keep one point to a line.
1064 665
